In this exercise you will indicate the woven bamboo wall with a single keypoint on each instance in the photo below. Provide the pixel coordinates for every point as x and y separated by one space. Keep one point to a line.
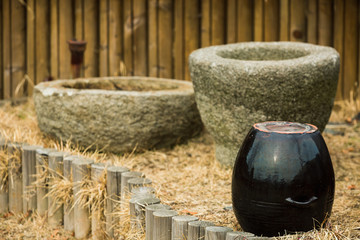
155 37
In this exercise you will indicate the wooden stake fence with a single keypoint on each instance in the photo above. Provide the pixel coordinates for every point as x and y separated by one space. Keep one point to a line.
147 215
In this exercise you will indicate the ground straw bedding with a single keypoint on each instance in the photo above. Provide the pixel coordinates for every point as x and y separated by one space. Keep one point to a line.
187 178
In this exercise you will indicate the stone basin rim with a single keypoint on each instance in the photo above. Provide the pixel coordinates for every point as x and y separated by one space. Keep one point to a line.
57 87
312 53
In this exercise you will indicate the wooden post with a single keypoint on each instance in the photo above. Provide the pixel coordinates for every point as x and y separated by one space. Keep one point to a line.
162 224
55 209
180 226
113 189
29 177
216 233
42 164
132 203
4 183
81 171
137 217
196 229
149 218
238 235
68 206
15 178
138 182
124 182
97 214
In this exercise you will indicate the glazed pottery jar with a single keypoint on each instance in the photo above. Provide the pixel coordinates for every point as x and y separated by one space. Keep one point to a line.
283 179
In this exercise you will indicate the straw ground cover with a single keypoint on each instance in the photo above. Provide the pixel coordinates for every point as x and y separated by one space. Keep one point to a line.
187 178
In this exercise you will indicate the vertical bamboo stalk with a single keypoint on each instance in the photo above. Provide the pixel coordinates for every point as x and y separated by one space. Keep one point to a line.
1 53
29 177
162 224
18 46
312 22
30 42
192 35
231 21
196 229
81 171
218 27
113 189
128 37
205 23
4 183
258 20
125 177
116 36
54 39
178 46
42 41
180 226
91 36
55 208
79 19
42 164
14 151
97 214
66 32
139 29
153 38
149 219
6 31
137 213
216 233
239 235
271 20
104 38
284 20
165 38
245 21
297 20
339 42
68 206
325 22
351 48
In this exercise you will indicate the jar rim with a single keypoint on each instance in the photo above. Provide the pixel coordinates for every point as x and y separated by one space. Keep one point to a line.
284 127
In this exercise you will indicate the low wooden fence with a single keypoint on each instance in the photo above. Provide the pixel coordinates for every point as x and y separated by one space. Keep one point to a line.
30 180
155 37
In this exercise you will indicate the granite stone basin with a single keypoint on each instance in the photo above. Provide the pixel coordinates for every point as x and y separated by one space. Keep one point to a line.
118 114
238 85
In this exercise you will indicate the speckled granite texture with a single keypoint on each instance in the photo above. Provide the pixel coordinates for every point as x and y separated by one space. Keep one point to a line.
106 114
237 85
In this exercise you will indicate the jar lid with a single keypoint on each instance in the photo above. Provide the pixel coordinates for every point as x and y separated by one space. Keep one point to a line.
285 127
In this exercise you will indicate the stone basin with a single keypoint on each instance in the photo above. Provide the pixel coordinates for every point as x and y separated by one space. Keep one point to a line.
118 114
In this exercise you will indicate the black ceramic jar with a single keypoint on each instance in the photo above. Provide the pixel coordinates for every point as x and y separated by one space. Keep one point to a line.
283 179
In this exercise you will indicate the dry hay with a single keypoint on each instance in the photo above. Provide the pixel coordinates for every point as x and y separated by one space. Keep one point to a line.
187 177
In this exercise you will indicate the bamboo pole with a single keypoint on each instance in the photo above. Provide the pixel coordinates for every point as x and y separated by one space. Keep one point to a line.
138 182
54 39
152 28
66 32
139 28
165 38
325 22
312 22
271 20
97 214
15 179
196 229
116 37
113 188
180 226
339 43
42 164
216 233
245 20
6 32
81 172
29 177
104 38
162 224
68 206
218 26
125 177
297 21
238 235
30 42
231 21
178 45
258 20
4 183
284 20
56 168
137 217
205 23
128 36
149 219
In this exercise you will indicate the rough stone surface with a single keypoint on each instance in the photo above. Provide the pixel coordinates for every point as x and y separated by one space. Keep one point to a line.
237 85
118 114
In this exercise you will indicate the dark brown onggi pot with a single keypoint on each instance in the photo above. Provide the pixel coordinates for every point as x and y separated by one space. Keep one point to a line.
283 179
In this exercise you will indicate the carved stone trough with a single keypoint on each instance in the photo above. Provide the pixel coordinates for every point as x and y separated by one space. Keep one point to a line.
118 114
